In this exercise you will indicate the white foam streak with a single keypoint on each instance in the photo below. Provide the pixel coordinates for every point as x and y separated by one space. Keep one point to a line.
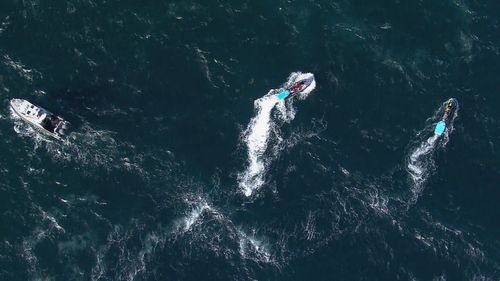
52 220
253 248
20 68
418 164
193 216
39 234
87 146
263 129
256 139
310 226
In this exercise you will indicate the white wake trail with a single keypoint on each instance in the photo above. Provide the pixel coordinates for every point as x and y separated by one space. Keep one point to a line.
256 138
87 146
420 164
264 129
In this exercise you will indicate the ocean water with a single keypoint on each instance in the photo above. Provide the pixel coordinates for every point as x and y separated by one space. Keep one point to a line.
181 166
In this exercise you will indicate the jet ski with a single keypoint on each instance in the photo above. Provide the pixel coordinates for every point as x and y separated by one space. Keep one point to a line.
448 112
40 118
301 84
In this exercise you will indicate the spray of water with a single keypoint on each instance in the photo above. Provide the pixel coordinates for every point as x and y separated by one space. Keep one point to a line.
420 162
264 129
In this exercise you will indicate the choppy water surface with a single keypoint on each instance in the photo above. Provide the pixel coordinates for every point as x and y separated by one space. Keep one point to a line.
181 167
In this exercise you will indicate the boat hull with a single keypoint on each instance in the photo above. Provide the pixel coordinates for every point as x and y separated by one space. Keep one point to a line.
35 116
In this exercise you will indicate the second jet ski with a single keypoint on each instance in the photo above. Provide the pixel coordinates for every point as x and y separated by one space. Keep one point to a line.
301 83
448 111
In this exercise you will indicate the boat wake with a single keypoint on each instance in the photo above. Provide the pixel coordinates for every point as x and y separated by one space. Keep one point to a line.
202 215
420 162
87 146
263 131
201 232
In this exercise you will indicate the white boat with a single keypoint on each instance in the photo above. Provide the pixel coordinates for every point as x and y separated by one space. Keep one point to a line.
39 118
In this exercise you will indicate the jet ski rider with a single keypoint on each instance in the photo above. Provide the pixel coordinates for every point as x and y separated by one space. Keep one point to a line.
296 87
447 110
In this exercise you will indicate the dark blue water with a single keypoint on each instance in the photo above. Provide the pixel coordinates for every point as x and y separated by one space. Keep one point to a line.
169 104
